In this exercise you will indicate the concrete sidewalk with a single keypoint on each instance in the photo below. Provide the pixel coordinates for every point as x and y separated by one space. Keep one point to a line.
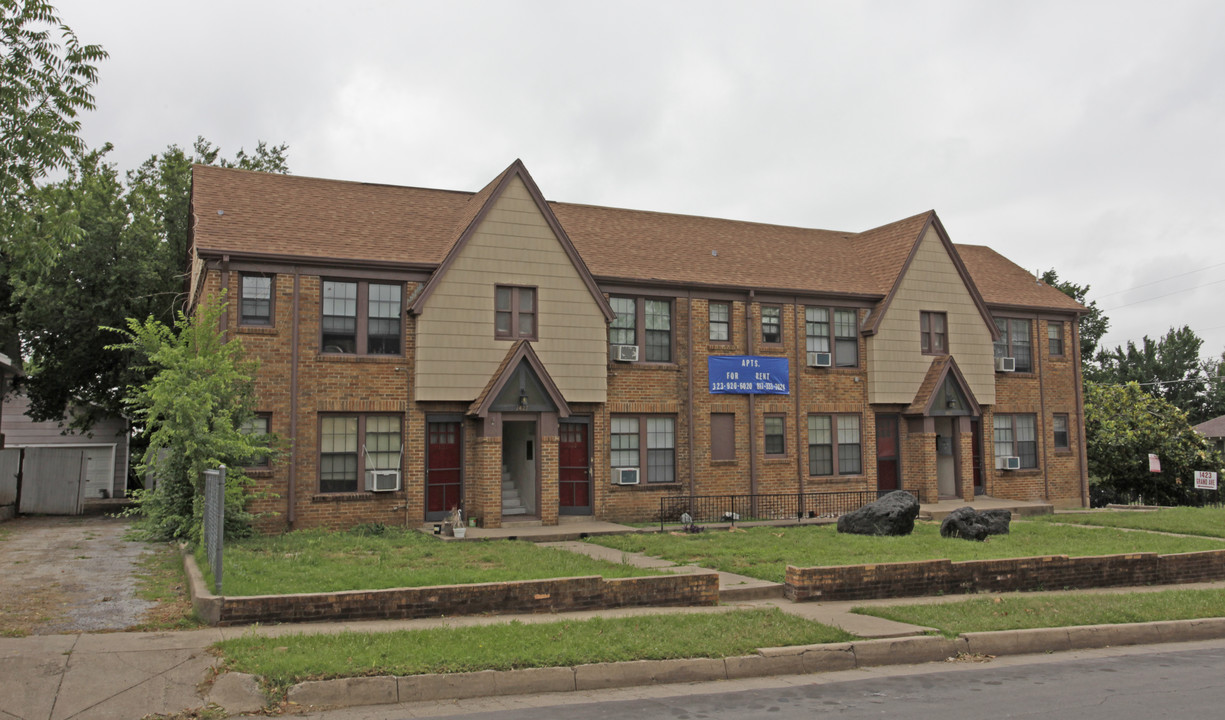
128 675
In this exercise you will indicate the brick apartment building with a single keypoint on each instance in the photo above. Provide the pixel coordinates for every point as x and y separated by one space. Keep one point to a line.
426 349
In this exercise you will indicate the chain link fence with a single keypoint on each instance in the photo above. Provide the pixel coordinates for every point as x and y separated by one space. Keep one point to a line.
214 521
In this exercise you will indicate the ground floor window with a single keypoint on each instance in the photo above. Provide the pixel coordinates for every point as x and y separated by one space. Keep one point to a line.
1016 436
631 433
834 446
349 445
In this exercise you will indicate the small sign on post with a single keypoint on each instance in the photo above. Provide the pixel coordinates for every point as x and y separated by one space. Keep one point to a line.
1205 480
1154 463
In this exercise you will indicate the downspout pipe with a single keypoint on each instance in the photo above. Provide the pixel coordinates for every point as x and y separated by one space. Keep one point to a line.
1082 441
690 360
1046 470
748 344
292 513
798 383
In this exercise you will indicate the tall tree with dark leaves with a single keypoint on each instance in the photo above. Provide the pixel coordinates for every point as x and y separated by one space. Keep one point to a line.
1169 368
95 250
1093 324
46 80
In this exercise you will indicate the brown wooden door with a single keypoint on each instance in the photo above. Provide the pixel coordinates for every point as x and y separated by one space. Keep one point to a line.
574 471
444 470
887 453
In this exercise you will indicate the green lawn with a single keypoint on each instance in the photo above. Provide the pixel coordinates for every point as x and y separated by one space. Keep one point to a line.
764 552
310 561
1022 611
285 660
1209 522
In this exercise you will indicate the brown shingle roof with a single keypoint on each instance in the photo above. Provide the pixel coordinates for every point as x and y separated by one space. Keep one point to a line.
268 214
1003 282
1214 428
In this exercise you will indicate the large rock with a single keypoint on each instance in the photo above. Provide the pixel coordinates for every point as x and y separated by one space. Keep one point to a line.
893 514
969 524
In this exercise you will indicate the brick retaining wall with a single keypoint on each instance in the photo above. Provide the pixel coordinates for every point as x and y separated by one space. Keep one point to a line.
1052 572
525 596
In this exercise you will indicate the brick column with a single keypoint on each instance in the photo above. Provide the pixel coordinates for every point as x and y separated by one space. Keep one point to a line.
549 498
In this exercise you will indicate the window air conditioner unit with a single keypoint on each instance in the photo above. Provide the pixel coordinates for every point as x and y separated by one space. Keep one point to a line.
820 359
625 353
382 480
1008 463
1005 364
625 476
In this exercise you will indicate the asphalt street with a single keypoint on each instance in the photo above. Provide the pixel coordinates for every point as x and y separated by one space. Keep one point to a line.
1176 681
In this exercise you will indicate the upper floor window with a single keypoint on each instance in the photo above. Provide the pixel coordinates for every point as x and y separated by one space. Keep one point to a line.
643 322
255 300
843 342
361 318
1014 342
514 312
771 325
720 322
1016 436
1054 337
933 334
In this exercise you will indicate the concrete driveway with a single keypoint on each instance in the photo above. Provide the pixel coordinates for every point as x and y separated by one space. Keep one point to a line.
68 575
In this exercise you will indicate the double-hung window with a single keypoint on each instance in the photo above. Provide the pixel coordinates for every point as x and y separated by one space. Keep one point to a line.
631 433
362 318
933 333
1014 342
842 342
771 325
350 445
644 322
834 445
255 300
1054 337
514 313
720 322
1016 436
258 426
776 435
1059 428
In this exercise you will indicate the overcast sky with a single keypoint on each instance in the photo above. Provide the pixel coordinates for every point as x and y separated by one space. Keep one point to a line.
1088 137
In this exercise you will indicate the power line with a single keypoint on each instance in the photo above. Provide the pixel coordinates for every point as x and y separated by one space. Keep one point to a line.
1154 282
1158 297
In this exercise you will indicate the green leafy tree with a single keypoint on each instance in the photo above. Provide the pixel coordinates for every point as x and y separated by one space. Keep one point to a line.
93 250
1169 368
193 412
46 76
1093 324
1123 425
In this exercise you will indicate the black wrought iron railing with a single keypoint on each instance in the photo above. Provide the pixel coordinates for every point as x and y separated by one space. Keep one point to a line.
706 509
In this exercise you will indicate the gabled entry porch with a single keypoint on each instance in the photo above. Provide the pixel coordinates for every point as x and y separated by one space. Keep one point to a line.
943 446
532 455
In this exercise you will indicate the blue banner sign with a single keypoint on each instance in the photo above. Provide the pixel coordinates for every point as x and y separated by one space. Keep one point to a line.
748 375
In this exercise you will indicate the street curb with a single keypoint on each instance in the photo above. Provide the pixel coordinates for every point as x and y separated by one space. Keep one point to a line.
791 660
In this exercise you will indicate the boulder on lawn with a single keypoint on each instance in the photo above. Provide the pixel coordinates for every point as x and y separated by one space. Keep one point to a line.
969 524
893 514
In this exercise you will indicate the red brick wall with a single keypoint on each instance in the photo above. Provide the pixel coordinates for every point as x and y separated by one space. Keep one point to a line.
1057 572
526 596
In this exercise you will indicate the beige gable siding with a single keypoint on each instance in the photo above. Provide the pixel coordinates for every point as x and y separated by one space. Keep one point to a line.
896 364
514 245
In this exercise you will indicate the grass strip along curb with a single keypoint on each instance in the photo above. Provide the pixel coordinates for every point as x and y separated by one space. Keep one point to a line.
375 689
285 660
1029 611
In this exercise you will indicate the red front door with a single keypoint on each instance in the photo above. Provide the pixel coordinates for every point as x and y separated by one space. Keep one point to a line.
444 481
886 452
574 473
